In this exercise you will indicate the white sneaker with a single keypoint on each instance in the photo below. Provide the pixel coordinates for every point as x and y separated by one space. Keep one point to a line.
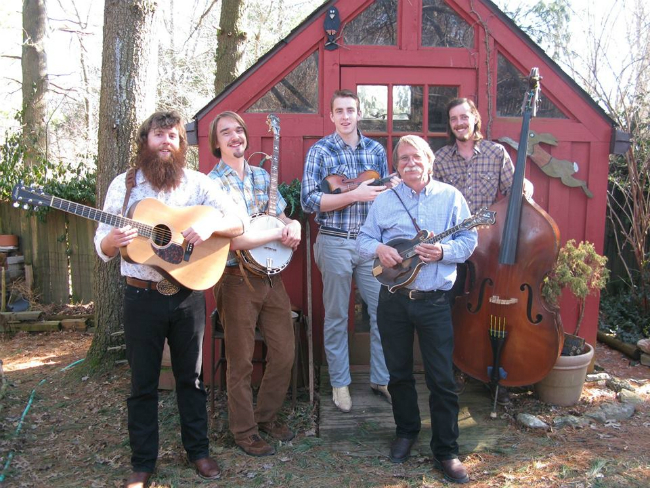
341 398
381 390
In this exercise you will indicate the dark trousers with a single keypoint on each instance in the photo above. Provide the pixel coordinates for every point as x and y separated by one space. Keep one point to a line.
149 318
398 319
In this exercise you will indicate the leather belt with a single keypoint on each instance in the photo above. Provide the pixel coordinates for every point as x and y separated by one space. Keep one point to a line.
333 231
235 271
163 287
420 295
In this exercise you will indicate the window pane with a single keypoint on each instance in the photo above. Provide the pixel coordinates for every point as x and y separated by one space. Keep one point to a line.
375 26
374 107
407 108
443 27
295 93
436 143
439 96
511 87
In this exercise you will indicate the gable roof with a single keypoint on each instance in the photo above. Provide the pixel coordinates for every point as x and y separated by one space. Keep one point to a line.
488 3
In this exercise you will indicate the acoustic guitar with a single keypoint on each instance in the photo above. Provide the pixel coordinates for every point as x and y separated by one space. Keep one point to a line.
337 184
159 242
272 257
405 272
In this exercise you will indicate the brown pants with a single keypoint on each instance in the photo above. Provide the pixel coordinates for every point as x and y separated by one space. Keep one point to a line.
241 310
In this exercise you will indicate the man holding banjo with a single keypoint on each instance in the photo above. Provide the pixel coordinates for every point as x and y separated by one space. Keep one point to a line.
251 293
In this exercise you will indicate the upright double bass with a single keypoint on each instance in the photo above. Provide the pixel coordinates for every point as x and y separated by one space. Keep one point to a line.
505 333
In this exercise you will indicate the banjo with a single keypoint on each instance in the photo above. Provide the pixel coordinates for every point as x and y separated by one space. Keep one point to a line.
272 257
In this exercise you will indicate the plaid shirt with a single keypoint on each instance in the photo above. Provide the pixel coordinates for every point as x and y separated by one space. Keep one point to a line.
489 171
252 193
331 155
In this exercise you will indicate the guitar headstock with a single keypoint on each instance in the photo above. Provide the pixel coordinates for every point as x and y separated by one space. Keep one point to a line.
481 217
26 196
274 124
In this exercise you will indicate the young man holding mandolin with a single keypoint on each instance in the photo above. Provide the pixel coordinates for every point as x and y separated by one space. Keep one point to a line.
340 214
157 308
249 296
420 203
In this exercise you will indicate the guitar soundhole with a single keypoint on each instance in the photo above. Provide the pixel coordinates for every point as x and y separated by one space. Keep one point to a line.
161 235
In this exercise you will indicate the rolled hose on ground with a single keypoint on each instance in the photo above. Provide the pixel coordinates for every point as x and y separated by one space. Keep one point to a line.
10 456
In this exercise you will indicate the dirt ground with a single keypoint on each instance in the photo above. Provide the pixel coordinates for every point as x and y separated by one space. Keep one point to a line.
60 428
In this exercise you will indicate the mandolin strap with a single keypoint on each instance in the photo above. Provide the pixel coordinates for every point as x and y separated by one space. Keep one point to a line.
415 224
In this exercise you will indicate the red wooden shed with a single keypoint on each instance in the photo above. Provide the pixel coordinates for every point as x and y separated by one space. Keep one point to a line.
406 59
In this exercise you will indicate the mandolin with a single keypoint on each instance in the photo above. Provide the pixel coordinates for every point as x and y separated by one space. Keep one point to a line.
405 272
159 242
337 184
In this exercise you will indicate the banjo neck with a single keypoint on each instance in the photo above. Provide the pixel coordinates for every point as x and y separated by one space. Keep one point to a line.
274 124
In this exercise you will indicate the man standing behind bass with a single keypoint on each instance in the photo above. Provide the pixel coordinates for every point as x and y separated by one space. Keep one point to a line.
346 153
153 312
420 202
246 300
482 171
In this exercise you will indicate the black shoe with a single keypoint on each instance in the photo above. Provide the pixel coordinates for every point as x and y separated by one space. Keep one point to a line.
400 449
503 397
460 379
453 469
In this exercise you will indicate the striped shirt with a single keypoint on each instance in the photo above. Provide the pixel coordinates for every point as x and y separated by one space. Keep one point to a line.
488 172
436 208
252 193
331 155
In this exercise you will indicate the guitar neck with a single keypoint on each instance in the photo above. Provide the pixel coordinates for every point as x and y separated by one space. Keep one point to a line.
100 216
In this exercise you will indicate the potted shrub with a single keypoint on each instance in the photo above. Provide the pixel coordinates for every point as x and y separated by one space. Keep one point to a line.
581 270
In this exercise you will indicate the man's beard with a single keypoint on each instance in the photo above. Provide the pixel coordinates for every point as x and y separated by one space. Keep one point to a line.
162 174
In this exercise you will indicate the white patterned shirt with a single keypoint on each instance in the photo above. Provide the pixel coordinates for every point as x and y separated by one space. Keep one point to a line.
195 189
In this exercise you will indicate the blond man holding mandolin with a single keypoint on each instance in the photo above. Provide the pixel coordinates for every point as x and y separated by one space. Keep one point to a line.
156 306
251 295
335 189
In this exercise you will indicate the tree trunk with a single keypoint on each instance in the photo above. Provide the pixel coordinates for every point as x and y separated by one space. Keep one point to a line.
35 83
230 47
127 98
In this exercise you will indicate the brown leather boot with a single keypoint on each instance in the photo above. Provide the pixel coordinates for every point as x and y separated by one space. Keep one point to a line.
254 445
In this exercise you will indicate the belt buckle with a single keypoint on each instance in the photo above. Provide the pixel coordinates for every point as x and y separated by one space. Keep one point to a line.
167 288
411 296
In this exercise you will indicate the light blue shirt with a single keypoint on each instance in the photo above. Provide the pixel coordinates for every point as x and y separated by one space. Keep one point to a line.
436 208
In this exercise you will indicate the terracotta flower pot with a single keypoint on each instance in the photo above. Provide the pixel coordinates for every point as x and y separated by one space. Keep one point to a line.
563 385
8 240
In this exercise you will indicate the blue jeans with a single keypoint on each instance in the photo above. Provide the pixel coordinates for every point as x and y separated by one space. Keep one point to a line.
338 261
149 318
399 319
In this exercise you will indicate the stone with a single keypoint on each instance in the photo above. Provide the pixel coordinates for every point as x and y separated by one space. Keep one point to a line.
571 421
645 359
617 384
626 396
531 421
644 345
597 377
611 411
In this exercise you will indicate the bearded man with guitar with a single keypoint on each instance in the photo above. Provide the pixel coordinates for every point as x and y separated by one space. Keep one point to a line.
251 295
340 214
420 203
157 308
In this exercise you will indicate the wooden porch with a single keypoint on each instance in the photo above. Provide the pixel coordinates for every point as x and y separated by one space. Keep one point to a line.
369 428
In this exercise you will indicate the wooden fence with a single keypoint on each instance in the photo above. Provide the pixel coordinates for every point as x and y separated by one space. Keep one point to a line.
59 247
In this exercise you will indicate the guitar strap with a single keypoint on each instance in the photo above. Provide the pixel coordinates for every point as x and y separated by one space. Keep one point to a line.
415 224
130 183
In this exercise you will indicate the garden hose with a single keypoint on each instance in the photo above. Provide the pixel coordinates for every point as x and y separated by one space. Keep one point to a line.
10 456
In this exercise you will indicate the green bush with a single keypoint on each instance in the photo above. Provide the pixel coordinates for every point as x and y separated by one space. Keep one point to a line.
623 315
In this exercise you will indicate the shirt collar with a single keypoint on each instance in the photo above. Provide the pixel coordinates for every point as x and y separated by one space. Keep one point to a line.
340 142
477 147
